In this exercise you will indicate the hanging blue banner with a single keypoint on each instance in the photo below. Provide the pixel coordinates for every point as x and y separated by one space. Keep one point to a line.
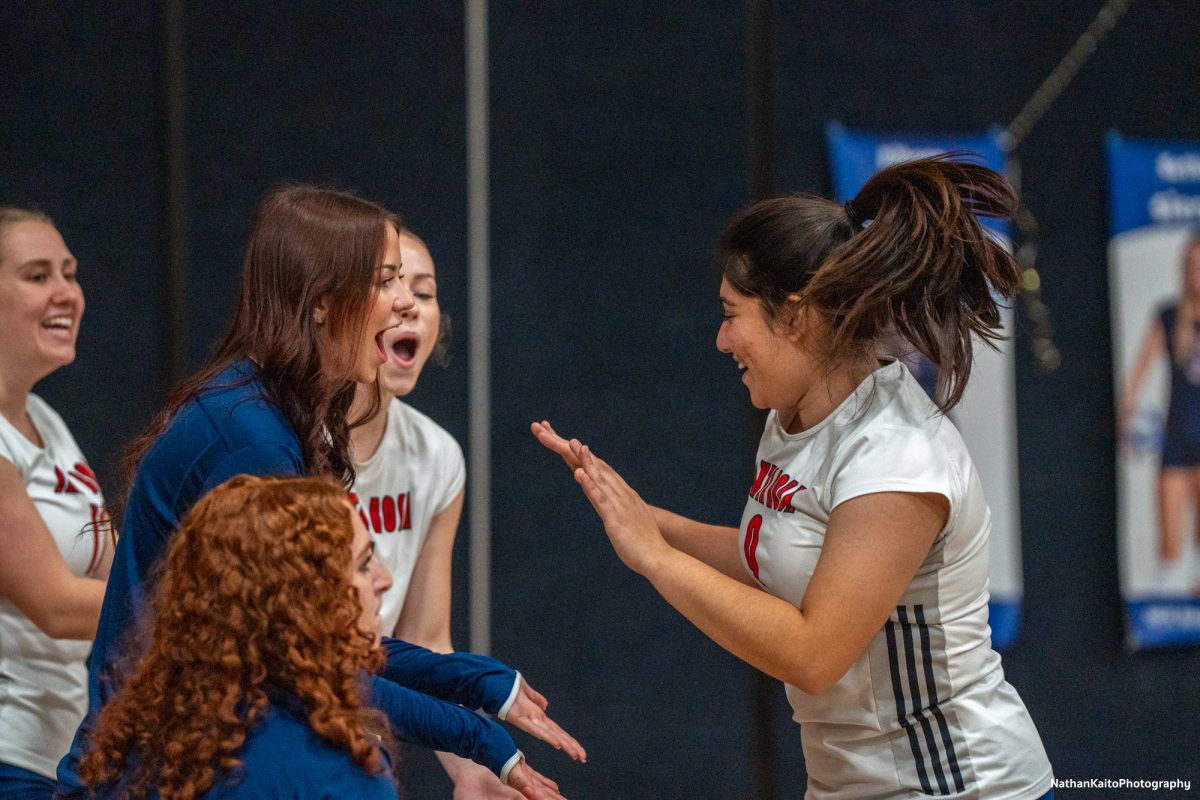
1153 183
1154 280
855 156
986 416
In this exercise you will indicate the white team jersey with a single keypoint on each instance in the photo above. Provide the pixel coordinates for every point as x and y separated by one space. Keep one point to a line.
416 473
43 681
925 710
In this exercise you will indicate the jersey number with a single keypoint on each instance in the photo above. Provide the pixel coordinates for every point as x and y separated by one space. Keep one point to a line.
751 543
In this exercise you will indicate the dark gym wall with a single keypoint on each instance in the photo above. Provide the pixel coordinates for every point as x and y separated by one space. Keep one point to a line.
78 140
618 150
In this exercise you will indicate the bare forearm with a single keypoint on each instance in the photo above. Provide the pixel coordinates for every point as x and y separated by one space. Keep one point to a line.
71 613
715 545
764 631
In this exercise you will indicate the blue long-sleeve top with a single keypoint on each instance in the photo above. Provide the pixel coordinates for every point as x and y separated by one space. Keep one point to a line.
284 759
232 428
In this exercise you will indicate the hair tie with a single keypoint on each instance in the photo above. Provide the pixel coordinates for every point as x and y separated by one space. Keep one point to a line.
852 213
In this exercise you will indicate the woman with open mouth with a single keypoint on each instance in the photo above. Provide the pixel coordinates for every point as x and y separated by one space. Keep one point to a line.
320 291
54 531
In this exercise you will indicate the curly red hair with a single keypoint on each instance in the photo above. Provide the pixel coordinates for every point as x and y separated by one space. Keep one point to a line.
255 593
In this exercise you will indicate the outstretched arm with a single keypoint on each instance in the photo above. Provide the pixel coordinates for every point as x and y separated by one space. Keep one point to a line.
425 620
477 682
433 723
874 544
715 545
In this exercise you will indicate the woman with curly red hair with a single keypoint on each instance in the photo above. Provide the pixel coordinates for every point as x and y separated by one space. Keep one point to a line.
265 617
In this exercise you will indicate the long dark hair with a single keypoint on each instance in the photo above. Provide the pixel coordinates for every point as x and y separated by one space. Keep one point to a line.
307 244
923 268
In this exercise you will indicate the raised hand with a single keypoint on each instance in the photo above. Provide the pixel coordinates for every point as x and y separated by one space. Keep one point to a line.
531 784
528 712
628 521
555 443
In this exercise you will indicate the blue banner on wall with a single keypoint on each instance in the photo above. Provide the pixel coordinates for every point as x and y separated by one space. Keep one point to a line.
855 156
1154 278
986 417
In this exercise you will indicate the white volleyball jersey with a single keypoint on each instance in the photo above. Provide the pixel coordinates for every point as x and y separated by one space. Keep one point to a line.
43 681
416 473
925 710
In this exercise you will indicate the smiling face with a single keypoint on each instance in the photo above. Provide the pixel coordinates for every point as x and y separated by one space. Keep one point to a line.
41 302
776 368
369 577
409 346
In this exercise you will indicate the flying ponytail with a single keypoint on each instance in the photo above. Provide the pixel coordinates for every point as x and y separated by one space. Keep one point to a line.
906 256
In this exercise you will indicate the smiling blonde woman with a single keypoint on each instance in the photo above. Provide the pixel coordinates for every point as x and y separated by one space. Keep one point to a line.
53 527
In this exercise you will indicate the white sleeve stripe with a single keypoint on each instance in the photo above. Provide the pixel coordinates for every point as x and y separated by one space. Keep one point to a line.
512 698
508 766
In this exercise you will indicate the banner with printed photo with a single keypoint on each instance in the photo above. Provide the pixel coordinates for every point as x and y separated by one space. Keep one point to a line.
986 417
1154 279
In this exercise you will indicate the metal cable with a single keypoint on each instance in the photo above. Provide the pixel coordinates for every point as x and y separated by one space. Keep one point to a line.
1045 352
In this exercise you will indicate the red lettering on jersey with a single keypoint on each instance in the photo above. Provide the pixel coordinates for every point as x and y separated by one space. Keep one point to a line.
389 514
768 479
750 545
777 487
774 488
375 525
99 529
358 507
404 501
61 481
763 469
84 475
785 499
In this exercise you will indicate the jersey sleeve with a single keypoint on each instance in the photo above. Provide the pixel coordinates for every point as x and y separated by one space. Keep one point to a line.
420 719
464 678
452 472
264 459
893 459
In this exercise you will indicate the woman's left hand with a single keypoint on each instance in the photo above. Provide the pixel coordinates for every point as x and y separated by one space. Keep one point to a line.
532 784
627 519
528 712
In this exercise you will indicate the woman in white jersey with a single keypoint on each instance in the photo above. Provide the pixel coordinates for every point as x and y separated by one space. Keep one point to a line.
858 575
53 527
408 488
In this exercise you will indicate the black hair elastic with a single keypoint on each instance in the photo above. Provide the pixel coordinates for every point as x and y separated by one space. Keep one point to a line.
852 213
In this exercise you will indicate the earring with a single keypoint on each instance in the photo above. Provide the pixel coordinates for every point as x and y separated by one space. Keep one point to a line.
318 317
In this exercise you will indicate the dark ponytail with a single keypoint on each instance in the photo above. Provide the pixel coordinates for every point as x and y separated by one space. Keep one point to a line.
922 267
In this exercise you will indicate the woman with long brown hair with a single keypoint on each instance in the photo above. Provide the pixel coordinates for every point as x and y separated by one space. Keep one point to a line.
319 290
858 575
